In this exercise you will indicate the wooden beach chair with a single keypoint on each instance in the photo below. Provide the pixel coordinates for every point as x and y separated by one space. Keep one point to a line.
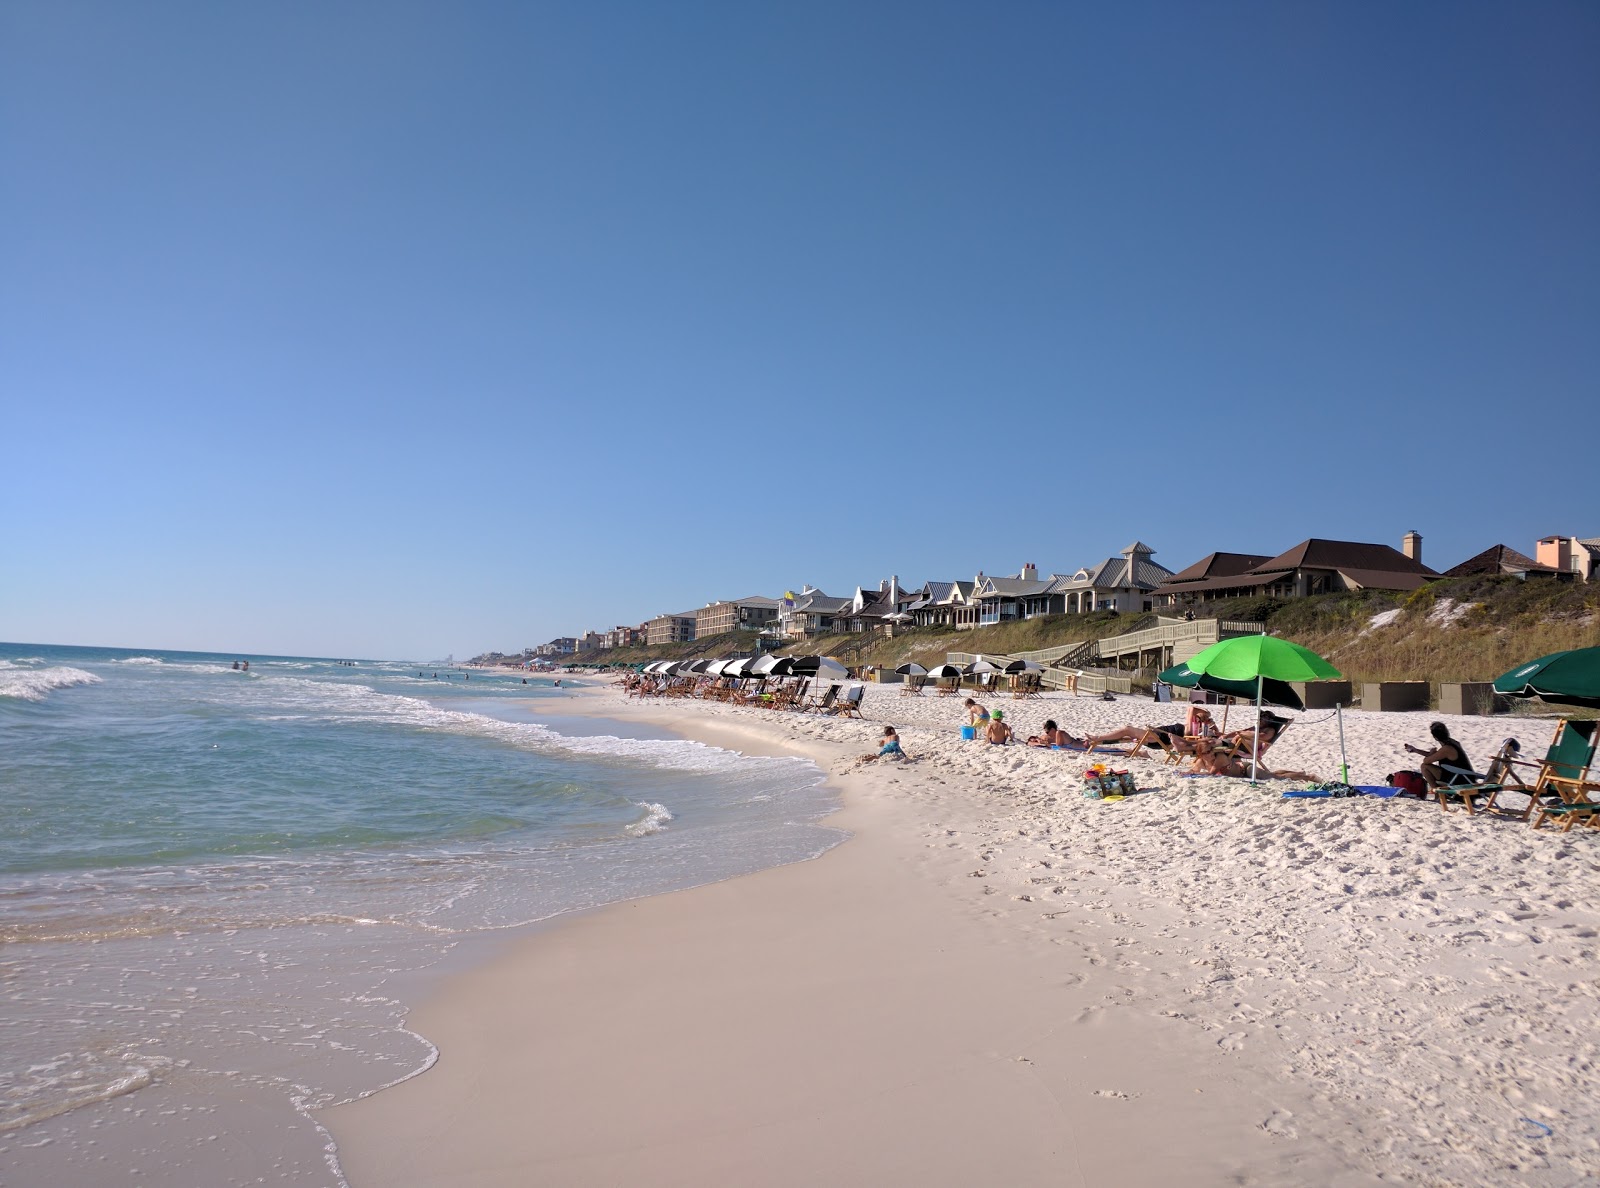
1025 685
1500 776
824 704
948 685
849 706
913 686
1565 772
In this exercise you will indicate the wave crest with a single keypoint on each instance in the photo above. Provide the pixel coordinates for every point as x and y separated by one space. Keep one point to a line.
655 819
35 684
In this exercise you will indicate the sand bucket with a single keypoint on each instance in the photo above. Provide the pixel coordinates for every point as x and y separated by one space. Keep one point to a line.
968 733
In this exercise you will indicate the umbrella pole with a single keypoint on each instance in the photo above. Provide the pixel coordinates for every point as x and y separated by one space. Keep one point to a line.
1344 765
1255 744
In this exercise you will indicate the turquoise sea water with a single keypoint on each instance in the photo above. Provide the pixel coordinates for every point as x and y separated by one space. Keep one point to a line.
209 879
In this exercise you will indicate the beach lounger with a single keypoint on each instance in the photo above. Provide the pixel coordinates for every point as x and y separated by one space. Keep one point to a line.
913 686
1025 685
948 685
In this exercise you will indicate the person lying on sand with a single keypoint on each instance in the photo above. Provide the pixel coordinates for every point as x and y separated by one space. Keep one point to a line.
1054 736
997 732
890 748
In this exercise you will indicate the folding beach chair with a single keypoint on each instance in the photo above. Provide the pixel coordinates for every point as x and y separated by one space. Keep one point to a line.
948 685
1565 772
913 686
1500 776
824 704
849 706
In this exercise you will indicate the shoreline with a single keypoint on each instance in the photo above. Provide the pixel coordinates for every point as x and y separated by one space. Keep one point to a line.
881 1013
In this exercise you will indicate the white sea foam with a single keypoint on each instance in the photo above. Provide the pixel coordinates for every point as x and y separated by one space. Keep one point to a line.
35 684
338 702
655 819
139 660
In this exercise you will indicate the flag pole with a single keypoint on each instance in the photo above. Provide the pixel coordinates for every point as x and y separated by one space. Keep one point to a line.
1344 766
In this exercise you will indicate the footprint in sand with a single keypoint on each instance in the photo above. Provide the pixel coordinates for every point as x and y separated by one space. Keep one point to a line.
1232 1042
1280 1123
1116 1093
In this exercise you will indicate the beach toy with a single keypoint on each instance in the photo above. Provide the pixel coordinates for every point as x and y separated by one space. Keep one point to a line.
968 733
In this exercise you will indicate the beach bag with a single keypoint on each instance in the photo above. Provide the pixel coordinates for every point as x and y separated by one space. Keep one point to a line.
1410 783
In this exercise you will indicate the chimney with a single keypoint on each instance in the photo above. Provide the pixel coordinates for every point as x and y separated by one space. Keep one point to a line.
1411 545
894 590
1030 572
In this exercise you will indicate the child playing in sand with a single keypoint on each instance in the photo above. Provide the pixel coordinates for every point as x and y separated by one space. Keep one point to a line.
890 748
977 715
997 732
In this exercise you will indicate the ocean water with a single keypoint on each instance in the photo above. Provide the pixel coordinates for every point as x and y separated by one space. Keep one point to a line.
213 881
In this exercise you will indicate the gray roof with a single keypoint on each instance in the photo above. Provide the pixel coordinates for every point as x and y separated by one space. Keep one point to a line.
938 590
1112 574
1010 587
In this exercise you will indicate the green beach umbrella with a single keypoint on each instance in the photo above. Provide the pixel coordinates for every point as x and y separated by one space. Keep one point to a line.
1271 691
1251 657
1566 678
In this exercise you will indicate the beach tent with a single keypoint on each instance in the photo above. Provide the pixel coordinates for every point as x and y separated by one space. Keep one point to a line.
1251 657
1565 678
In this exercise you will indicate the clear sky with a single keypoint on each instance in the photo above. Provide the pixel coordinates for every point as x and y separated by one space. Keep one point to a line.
400 329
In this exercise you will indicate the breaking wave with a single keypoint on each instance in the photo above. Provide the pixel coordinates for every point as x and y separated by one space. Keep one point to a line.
35 684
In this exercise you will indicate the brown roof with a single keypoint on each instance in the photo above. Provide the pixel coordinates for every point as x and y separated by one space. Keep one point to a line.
1214 565
1385 579
1236 581
1344 554
1498 559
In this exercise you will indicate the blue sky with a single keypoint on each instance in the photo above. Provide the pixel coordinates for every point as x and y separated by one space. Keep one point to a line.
397 329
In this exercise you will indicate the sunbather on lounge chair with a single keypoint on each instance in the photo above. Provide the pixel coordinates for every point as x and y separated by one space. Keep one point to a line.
1172 733
1054 736
1230 755
1446 753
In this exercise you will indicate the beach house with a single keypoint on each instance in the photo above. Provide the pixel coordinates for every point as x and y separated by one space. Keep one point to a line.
1125 583
808 613
935 604
1570 554
678 628
1504 561
751 613
1314 566
1023 595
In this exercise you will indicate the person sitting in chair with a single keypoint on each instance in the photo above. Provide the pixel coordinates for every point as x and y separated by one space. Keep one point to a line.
1230 754
1446 762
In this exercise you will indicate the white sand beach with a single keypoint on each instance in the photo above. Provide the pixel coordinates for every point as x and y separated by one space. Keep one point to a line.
999 980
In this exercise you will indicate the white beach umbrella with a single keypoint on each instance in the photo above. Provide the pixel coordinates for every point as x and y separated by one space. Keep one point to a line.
823 667
1017 666
912 670
979 666
715 667
765 664
944 672
739 668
